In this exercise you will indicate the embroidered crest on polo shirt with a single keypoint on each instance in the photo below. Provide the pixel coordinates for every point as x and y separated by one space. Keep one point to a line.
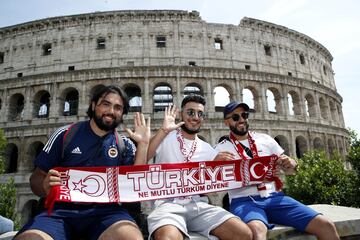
76 151
113 152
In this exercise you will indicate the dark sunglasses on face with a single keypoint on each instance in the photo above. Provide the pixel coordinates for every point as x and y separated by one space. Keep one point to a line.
192 112
236 117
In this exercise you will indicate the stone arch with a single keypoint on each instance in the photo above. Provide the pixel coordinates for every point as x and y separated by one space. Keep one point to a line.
11 158
284 143
16 107
310 106
295 106
41 104
331 147
318 144
274 100
193 88
69 102
133 92
250 96
33 150
333 112
163 97
341 147
301 146
222 96
29 210
323 108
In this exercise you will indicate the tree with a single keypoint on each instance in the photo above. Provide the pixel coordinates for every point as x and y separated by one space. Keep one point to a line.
354 151
323 180
7 189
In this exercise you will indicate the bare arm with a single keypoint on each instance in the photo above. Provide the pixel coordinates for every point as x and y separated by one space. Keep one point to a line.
141 135
168 126
41 182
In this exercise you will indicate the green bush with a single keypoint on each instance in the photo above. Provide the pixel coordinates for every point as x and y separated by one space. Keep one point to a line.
323 181
7 189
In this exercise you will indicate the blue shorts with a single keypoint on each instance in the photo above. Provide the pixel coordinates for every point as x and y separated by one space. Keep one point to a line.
86 221
277 208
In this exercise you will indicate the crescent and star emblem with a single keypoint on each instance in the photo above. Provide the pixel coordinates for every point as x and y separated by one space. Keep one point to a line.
93 185
253 173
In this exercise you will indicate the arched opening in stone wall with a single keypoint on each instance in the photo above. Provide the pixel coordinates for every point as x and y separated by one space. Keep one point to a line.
162 97
294 103
70 102
301 146
341 148
221 98
331 147
193 88
41 104
284 143
134 93
11 158
249 98
318 144
323 108
290 104
333 112
270 99
16 107
310 106
33 151
29 211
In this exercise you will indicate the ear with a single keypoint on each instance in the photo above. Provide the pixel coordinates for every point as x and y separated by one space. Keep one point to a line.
226 122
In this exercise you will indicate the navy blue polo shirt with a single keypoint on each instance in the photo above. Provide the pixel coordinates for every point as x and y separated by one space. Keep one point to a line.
86 149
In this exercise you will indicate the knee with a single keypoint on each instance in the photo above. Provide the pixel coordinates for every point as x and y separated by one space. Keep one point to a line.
32 234
258 229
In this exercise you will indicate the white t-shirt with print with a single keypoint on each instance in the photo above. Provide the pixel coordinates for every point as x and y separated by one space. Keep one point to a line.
265 145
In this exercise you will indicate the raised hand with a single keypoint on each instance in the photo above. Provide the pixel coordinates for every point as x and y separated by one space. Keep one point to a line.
141 133
169 119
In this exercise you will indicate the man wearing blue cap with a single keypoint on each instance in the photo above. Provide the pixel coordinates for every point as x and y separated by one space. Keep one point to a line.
262 205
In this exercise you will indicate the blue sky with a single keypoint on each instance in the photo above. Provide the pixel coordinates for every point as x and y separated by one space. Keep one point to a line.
333 23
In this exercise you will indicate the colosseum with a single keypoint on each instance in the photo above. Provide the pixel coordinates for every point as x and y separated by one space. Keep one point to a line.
49 69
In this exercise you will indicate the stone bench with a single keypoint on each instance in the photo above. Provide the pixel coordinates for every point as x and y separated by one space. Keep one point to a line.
347 222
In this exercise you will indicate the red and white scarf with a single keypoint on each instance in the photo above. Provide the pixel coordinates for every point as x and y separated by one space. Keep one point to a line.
245 161
157 181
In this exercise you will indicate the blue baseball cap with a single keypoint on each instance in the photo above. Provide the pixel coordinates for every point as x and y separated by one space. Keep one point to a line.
233 105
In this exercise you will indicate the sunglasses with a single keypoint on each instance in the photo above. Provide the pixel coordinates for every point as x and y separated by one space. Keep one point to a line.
192 113
236 117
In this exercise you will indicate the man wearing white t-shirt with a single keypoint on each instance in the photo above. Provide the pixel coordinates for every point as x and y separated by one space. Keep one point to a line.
178 143
262 205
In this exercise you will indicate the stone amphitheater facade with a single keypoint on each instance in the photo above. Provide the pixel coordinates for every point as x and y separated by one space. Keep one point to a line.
49 69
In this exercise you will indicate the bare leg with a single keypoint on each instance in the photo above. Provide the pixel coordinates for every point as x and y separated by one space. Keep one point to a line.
258 229
168 232
33 235
232 229
122 230
322 228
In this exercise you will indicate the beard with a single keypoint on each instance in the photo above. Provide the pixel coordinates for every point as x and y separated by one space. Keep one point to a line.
240 132
106 126
189 131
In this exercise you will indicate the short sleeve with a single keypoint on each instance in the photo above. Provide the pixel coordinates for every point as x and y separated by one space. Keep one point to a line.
50 156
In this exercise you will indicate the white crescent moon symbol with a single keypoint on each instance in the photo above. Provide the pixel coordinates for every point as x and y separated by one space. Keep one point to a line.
252 171
100 188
